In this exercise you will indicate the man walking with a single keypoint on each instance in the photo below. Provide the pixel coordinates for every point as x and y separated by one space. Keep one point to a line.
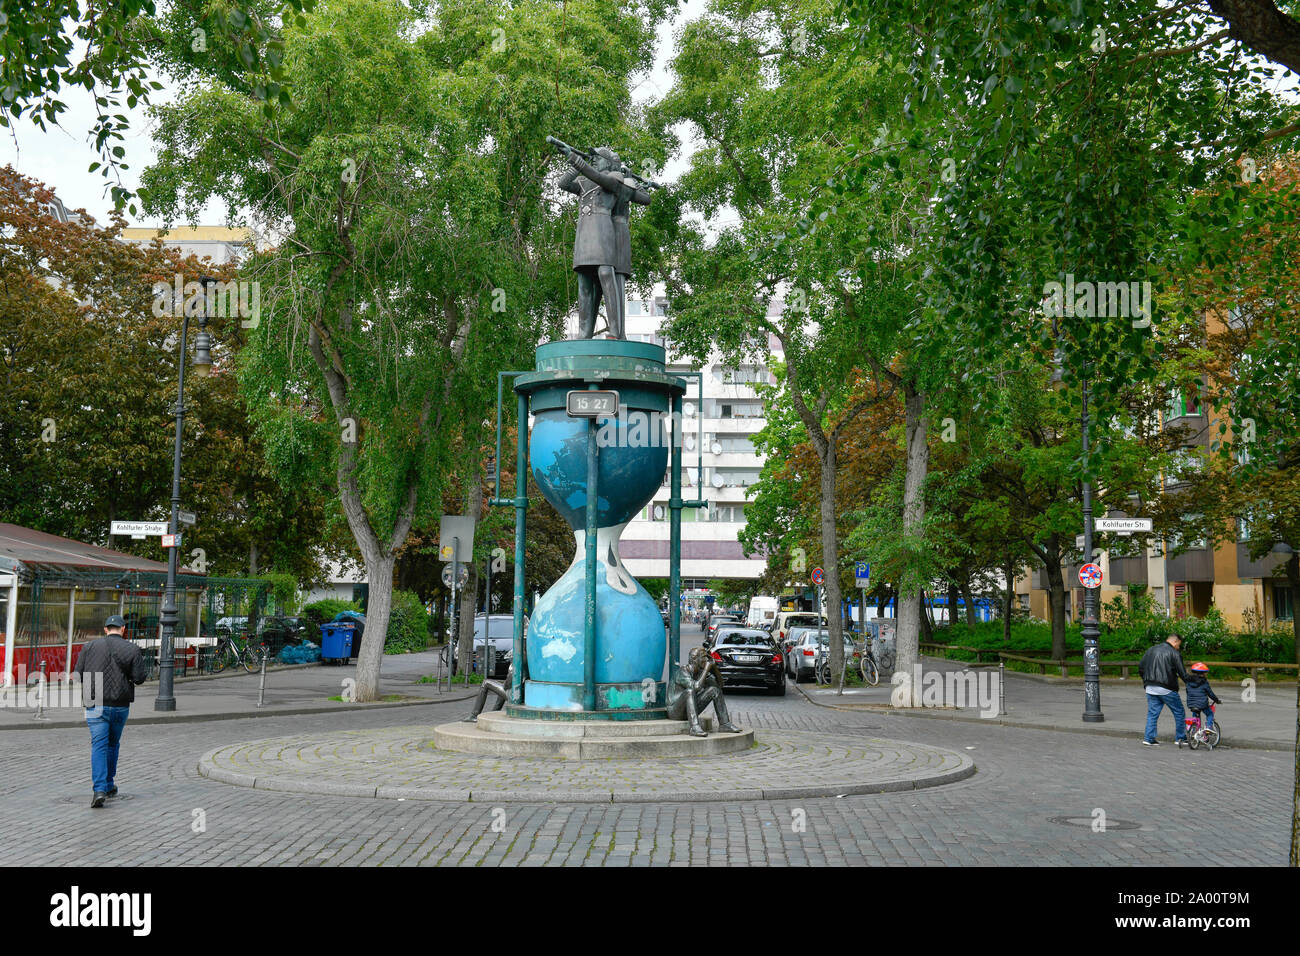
116 666
1161 667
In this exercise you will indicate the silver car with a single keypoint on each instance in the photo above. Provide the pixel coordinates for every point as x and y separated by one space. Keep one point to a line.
503 640
808 646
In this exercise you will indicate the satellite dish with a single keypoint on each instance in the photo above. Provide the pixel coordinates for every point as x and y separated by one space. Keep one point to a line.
659 512
689 409
717 448
717 480
690 443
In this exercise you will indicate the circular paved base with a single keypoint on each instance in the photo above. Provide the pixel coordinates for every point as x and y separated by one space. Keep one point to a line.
402 763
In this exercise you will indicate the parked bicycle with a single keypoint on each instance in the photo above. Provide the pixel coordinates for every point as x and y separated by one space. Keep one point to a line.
1198 733
233 652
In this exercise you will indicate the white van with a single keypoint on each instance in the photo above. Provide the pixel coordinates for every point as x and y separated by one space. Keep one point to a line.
762 610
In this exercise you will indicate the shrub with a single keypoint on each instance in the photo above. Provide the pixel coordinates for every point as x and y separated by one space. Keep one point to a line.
408 624
321 612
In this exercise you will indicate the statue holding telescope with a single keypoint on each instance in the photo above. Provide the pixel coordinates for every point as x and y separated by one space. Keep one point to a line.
602 247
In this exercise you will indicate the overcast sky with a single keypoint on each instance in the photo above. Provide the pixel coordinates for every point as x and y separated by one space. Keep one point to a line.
61 156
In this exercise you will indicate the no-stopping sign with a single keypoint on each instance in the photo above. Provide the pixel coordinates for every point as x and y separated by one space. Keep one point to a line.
1090 576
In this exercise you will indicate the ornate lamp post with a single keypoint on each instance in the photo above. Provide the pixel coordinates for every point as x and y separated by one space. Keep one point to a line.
1091 632
166 699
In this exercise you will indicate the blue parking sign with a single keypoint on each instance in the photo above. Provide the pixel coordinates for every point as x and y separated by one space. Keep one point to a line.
862 573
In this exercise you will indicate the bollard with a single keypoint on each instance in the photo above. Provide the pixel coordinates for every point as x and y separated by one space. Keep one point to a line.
1002 688
40 694
261 684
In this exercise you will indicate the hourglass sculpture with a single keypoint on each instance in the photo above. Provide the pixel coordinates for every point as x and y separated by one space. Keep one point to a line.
596 640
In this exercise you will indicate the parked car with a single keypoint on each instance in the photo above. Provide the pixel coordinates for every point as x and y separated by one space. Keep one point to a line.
786 620
748 657
718 620
801 658
503 639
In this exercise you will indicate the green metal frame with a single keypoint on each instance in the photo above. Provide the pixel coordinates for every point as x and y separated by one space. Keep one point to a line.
520 503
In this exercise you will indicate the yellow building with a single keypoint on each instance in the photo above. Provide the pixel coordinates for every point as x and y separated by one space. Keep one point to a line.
221 244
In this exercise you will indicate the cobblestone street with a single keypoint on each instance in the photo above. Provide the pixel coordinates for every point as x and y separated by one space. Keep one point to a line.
1003 814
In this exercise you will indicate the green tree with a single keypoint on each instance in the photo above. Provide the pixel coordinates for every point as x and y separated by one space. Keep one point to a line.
421 250
776 91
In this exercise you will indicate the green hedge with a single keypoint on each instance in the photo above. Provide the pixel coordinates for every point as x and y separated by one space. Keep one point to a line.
408 624
1203 638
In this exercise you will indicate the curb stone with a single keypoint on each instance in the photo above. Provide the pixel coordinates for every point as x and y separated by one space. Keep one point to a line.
242 714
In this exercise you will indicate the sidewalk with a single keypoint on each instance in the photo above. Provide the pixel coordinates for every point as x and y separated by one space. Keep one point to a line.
1269 723
300 689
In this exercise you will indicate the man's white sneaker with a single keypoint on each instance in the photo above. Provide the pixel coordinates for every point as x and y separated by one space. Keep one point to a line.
1150 743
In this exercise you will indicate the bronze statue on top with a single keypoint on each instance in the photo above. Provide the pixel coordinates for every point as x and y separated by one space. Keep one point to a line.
602 248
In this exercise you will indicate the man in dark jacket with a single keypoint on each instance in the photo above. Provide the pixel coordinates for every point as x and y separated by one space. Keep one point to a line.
1161 667
115 666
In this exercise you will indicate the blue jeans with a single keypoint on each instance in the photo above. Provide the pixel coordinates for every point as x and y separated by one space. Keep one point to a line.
1174 702
1207 717
105 725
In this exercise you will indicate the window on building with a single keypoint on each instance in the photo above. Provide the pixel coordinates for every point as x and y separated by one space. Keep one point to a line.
1184 401
1283 603
634 307
661 307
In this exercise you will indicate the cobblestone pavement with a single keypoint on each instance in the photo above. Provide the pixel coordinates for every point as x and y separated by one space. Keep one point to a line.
401 762
169 815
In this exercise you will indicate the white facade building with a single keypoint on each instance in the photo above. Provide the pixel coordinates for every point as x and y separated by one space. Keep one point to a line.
731 413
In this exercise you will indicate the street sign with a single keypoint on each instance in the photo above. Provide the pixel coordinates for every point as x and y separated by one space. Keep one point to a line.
171 540
817 575
1078 542
451 527
592 404
186 517
463 576
1124 524
862 573
1090 576
138 528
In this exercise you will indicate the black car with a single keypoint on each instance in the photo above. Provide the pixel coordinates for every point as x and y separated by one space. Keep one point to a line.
748 657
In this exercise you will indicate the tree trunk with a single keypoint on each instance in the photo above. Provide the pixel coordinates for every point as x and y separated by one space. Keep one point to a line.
909 598
831 560
440 617
1010 572
1293 576
1058 595
952 605
252 559
379 574
467 605
468 598
969 598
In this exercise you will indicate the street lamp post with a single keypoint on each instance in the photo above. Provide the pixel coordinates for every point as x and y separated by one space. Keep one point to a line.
166 700
1091 632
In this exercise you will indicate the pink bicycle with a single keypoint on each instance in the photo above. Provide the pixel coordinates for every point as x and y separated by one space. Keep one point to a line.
1198 733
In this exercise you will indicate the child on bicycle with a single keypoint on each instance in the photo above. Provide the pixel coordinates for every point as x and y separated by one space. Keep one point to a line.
1199 694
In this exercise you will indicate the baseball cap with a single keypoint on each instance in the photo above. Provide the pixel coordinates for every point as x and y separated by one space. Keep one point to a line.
115 620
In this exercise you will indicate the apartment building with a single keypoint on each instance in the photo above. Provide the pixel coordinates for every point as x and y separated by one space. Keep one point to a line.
1223 576
728 416
221 244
